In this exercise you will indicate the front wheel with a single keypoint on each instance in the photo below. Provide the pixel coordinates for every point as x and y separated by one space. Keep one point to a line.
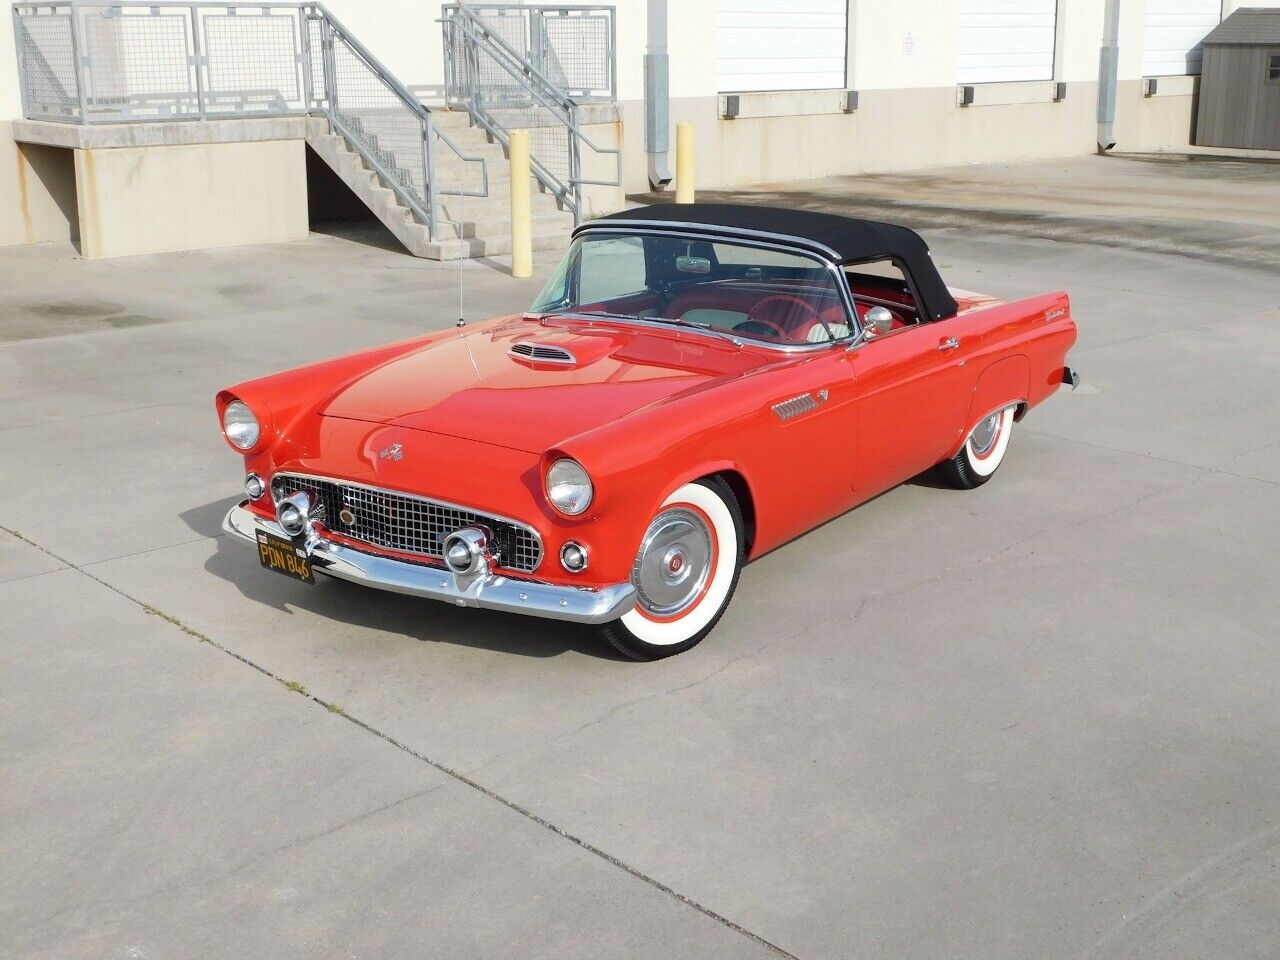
685 573
982 451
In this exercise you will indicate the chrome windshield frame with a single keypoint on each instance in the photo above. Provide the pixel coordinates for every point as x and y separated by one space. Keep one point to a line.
739 238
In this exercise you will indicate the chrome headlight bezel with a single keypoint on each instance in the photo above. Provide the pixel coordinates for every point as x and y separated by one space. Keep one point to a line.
240 425
569 488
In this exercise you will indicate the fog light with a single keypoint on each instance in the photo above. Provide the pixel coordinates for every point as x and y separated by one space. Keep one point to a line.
573 557
465 549
254 487
293 514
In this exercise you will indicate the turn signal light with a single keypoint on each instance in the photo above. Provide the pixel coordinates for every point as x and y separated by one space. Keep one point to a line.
573 557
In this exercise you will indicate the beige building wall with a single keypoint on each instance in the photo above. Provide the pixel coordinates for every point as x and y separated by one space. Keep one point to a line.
149 199
37 192
908 115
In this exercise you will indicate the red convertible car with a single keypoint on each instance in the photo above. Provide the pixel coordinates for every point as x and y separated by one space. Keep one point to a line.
695 386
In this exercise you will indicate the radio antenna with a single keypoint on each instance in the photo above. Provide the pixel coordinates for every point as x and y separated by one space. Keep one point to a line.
462 260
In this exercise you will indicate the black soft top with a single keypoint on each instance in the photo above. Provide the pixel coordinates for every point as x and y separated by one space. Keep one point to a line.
843 240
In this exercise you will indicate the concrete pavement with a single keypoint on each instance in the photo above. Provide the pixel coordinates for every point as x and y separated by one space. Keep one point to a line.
1036 719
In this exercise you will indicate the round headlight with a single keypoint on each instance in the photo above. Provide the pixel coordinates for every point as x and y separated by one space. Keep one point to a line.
569 487
240 425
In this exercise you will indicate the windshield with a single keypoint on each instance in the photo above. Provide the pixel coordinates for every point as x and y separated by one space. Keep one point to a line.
749 292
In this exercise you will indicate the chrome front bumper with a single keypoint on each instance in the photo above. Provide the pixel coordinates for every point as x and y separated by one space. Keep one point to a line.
492 591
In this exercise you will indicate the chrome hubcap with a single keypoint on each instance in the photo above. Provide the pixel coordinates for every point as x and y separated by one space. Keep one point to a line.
674 562
984 435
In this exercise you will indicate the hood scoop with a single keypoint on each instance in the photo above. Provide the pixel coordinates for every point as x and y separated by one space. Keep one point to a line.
542 353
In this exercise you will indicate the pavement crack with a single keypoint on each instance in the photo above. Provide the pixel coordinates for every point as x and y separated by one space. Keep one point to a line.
461 777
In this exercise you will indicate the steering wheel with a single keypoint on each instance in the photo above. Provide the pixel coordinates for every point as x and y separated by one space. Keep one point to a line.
804 316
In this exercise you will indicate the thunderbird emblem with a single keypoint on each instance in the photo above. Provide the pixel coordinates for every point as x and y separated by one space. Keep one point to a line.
393 452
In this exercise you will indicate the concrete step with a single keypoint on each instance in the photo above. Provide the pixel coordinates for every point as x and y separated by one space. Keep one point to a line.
473 138
497 204
450 120
499 226
467 227
490 247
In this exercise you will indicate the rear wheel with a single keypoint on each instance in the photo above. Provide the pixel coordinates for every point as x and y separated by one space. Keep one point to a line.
685 573
982 452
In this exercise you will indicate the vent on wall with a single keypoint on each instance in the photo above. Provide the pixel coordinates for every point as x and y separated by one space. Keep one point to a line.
542 353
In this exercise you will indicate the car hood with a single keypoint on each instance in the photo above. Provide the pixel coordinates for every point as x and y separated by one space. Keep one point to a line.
582 375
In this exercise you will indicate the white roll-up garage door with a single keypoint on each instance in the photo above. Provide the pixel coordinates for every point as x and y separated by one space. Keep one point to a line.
1006 40
1173 34
779 45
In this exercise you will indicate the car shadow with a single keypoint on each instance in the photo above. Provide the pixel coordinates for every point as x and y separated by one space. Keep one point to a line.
342 602
931 479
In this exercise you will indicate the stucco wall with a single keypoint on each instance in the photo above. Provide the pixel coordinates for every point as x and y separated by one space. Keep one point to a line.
150 199
37 192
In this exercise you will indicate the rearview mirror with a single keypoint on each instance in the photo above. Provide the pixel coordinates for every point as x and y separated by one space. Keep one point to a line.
693 264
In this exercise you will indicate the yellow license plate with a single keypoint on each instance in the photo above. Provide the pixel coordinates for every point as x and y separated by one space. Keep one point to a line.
280 555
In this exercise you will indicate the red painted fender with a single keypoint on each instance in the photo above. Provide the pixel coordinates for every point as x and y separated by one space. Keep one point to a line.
1001 384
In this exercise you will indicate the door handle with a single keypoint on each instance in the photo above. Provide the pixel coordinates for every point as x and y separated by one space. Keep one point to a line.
949 344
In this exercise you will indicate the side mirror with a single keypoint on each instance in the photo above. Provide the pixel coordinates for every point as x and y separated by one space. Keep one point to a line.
877 322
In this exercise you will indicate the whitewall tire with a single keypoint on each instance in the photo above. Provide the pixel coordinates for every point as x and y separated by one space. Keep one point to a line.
685 572
983 450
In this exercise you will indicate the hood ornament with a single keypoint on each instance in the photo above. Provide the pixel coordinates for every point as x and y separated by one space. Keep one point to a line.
393 452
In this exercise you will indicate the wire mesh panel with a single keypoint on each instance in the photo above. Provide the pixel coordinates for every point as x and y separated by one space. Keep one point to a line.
369 111
509 24
509 104
495 55
575 51
139 62
252 61
46 63
573 47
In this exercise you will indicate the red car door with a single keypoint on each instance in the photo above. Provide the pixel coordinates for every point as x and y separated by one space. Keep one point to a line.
913 392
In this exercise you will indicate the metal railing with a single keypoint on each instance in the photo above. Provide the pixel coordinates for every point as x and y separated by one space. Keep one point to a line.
574 47
498 80
134 61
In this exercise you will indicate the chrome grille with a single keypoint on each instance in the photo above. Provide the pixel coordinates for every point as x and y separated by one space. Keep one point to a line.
408 524
542 353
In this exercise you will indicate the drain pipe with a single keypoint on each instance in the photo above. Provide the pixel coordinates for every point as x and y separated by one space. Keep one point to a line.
657 97
1108 68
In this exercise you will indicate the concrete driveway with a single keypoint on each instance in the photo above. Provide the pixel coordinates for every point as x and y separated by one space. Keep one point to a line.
1040 719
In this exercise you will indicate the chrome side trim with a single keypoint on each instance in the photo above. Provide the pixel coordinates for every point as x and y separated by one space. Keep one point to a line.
490 592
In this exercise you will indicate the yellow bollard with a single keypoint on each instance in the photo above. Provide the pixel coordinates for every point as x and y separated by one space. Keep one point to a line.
521 206
684 162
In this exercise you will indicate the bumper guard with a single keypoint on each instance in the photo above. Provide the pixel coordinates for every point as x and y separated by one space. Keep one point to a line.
491 591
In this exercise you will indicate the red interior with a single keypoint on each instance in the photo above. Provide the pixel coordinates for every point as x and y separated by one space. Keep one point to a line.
780 316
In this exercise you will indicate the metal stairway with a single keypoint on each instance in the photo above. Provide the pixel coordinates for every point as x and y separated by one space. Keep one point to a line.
439 184
466 226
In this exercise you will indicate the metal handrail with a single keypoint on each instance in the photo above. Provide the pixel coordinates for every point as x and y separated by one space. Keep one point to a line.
539 88
197 103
